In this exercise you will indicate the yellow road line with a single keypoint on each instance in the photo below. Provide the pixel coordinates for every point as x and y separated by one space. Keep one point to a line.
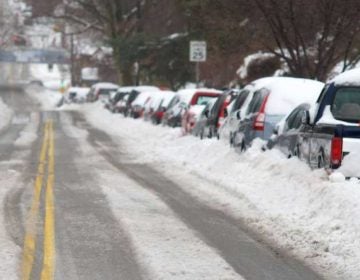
48 269
31 227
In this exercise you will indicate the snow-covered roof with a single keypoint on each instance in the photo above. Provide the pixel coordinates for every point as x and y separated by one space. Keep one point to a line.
187 94
351 77
105 86
161 96
142 98
146 88
287 93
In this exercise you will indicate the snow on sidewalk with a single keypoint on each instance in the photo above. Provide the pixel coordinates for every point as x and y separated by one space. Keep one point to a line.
298 210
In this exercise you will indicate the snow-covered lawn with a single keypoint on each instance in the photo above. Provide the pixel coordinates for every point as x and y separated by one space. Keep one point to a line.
299 211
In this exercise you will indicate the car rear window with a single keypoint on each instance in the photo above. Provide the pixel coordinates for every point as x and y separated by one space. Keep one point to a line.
346 104
257 100
240 100
203 100
106 91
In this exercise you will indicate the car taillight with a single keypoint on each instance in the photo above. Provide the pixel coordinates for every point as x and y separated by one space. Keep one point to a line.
259 122
336 151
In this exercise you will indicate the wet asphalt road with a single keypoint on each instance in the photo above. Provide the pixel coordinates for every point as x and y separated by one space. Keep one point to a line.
76 234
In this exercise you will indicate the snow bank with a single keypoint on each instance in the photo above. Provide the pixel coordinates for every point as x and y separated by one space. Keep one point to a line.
29 134
5 115
9 251
301 211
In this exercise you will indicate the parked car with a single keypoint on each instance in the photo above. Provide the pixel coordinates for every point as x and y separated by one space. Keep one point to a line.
330 137
237 109
277 97
195 102
77 94
134 94
101 91
173 114
159 105
141 101
120 106
200 125
120 94
287 131
216 116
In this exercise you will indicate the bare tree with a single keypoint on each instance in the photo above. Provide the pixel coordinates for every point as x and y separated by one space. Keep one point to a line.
114 19
312 36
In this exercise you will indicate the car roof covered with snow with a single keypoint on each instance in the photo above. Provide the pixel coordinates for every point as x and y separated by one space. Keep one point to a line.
163 97
143 98
187 94
79 90
105 86
348 78
286 93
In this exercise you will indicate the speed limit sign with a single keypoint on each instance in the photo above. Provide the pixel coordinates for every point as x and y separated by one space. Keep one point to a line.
197 51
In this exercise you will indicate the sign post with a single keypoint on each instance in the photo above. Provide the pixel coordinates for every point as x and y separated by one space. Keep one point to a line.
198 53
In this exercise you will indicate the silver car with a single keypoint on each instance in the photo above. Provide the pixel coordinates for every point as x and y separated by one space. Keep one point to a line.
270 103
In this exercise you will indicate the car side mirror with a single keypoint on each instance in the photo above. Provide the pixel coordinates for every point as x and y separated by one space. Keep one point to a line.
238 115
306 118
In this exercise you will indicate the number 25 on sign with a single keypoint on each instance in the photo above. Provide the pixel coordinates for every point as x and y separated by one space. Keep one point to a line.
197 51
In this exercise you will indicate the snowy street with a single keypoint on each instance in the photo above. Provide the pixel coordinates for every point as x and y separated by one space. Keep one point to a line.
155 140
116 217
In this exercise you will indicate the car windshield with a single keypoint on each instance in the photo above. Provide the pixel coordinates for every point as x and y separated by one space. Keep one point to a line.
346 104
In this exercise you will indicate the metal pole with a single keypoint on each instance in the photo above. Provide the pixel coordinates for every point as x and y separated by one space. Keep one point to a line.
197 74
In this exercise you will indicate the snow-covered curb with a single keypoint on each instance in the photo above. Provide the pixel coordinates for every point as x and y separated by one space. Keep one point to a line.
301 211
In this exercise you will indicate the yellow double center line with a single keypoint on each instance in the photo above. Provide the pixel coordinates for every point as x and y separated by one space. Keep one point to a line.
45 175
